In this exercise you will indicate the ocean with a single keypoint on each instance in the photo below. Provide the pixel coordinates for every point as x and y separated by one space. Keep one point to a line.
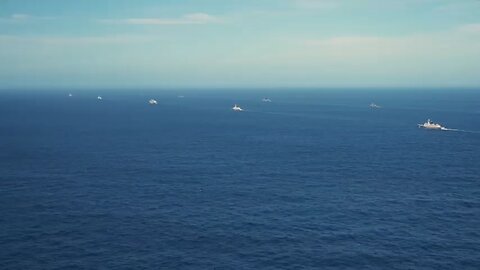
315 179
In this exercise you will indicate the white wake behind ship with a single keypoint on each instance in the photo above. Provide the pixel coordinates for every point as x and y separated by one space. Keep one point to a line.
431 125
152 102
237 108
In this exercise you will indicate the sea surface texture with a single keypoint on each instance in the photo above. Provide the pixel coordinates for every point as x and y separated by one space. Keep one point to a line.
311 180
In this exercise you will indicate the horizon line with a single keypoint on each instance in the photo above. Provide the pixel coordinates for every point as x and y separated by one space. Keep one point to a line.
247 88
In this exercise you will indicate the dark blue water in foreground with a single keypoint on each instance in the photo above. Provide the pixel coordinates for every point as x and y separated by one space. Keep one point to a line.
313 180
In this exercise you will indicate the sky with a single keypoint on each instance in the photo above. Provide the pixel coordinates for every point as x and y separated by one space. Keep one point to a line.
239 43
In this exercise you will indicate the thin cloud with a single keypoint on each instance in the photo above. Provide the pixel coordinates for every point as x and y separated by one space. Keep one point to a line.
470 28
459 6
22 18
316 4
194 18
62 41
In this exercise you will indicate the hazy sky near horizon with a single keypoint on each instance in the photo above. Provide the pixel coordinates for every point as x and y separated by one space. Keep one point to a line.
239 43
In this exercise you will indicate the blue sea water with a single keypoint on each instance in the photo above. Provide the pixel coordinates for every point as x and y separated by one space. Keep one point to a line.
312 180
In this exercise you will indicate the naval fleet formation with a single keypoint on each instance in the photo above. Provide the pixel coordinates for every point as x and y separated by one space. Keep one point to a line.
427 125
